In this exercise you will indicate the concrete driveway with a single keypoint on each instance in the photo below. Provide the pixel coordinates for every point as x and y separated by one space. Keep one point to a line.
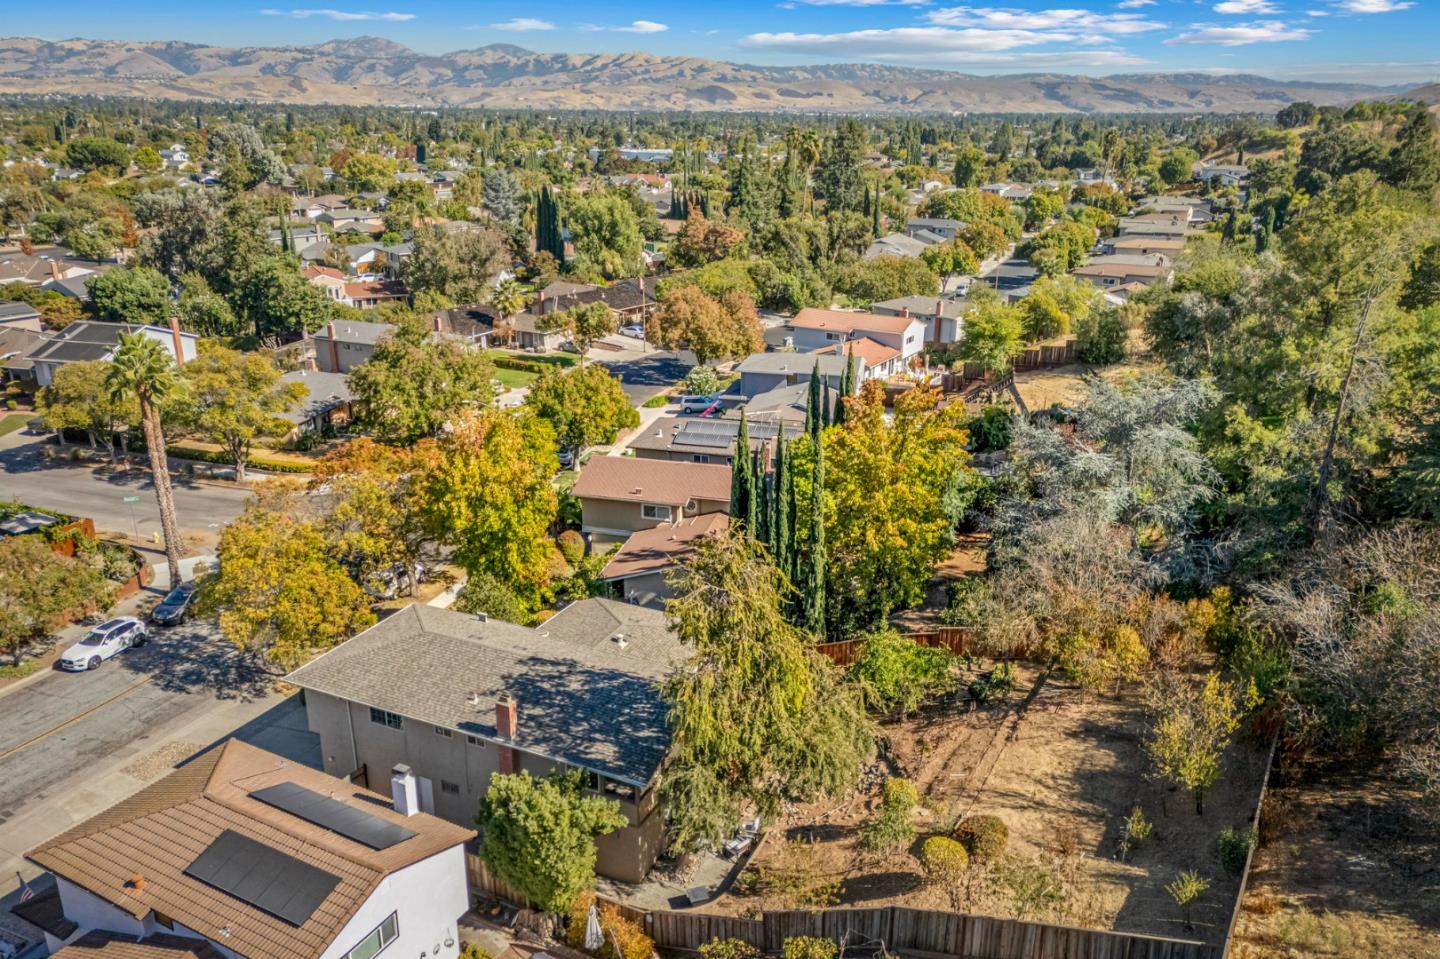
100 493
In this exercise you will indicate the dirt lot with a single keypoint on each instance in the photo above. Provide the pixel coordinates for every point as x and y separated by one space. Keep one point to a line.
1063 773
1338 874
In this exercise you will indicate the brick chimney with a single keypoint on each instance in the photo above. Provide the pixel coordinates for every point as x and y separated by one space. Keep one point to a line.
310 365
939 314
507 714
437 323
334 348
177 339
905 312
54 270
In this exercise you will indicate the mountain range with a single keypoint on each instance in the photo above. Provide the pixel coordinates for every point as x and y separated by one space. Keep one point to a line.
371 70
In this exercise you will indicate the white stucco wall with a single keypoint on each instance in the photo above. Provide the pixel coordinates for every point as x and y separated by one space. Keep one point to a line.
429 898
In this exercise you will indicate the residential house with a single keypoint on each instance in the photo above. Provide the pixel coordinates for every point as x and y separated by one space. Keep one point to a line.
526 331
343 345
1014 192
366 294
88 340
763 372
785 406
473 324
1121 269
814 328
620 495
633 300
1143 245
1172 227
243 854
38 270
942 315
176 156
689 439
639 569
74 287
18 315
300 236
329 279
458 698
1223 174
16 346
925 227
898 244
328 403
343 220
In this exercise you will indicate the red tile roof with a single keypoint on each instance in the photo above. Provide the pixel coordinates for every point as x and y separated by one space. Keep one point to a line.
631 479
845 321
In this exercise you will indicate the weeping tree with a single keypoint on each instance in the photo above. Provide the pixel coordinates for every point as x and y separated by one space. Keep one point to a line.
758 717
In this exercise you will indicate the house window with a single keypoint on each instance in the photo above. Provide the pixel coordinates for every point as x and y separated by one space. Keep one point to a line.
700 457
442 731
380 937
835 337
449 788
382 718
475 741
655 511
163 920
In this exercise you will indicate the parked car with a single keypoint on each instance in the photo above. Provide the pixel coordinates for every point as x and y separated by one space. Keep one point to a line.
566 458
634 329
102 642
175 608
698 404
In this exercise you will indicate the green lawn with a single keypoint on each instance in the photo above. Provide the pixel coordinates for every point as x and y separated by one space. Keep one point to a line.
11 422
517 378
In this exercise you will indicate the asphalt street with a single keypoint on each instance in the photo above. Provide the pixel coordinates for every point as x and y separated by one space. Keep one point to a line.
81 490
63 723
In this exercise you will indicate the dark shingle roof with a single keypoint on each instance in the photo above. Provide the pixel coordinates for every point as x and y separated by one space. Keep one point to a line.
584 699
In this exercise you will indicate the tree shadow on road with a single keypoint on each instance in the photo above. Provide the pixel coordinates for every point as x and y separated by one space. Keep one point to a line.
194 658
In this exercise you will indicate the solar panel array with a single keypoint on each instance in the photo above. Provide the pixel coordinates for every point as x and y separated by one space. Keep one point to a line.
331 814
263 876
722 433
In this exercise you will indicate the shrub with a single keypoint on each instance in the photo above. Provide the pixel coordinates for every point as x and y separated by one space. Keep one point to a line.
1137 829
998 682
483 593
472 951
809 947
897 673
891 827
943 858
572 546
727 949
1101 337
991 428
702 380
633 942
984 837
1187 887
1031 883
1234 845
656 402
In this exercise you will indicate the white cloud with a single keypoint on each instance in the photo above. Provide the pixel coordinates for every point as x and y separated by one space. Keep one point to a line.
1373 6
521 24
1085 22
1316 13
339 15
1245 7
1241 34
1134 4
643 26
944 45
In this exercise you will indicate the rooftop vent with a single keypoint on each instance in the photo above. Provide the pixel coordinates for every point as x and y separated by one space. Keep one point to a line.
619 640
473 699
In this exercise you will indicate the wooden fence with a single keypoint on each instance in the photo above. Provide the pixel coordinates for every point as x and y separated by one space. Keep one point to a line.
954 638
923 933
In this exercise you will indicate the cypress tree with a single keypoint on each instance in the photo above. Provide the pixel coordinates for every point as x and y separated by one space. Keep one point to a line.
742 487
865 207
759 499
813 412
779 507
814 586
847 387
875 213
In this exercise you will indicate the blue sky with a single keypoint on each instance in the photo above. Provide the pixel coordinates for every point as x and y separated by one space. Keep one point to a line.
1377 41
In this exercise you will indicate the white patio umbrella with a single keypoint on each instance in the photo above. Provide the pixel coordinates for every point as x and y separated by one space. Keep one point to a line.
594 937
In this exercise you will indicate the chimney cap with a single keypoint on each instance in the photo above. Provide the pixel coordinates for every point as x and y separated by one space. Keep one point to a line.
400 769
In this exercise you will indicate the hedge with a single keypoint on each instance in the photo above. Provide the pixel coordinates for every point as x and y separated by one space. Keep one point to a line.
223 459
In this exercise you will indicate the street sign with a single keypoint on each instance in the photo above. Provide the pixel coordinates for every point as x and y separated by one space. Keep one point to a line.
131 499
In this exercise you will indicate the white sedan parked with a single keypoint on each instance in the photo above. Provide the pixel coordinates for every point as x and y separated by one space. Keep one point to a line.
104 641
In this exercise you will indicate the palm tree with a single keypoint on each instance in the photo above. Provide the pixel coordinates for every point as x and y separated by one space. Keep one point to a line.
142 369
509 299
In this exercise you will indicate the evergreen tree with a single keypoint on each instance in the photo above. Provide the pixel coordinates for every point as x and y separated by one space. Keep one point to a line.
814 586
847 387
813 413
782 525
762 498
875 214
742 486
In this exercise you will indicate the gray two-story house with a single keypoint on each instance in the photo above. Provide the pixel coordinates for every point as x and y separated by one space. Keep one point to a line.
459 698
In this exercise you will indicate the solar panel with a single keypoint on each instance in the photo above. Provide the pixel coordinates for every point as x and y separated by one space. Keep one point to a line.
331 814
263 876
